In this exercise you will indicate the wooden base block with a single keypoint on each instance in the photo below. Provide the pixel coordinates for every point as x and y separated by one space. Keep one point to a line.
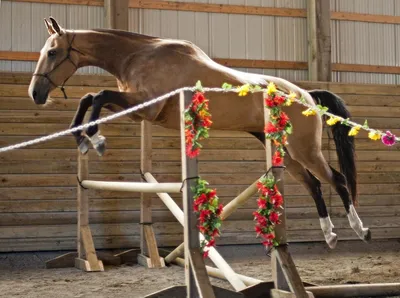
180 291
85 265
147 263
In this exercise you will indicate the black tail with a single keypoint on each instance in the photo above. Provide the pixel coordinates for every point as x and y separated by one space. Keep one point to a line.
344 143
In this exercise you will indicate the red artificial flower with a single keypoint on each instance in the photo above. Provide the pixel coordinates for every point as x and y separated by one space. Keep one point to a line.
189 136
277 200
202 229
198 98
211 243
268 243
196 207
262 204
215 233
279 100
274 217
204 214
190 152
283 120
212 193
206 122
277 159
205 254
269 102
269 236
270 128
202 199
219 209
262 222
259 230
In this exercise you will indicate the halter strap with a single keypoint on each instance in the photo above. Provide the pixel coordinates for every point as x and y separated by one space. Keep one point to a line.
68 57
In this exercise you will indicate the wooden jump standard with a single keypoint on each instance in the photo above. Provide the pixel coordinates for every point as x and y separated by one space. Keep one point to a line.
286 280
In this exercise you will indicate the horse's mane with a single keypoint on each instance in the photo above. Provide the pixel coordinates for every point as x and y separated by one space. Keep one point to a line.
122 33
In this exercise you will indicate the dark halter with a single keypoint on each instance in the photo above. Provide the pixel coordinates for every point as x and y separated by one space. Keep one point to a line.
68 57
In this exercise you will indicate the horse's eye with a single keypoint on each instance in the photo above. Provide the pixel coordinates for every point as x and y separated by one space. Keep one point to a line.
51 53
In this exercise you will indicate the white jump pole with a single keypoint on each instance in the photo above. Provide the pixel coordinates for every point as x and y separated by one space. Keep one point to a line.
133 186
213 254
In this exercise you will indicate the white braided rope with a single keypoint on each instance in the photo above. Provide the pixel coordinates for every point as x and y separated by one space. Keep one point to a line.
140 107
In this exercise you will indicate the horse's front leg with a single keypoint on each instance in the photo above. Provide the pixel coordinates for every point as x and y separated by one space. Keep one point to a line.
107 97
84 105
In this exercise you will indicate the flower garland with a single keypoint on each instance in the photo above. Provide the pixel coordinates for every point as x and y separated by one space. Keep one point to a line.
206 202
208 209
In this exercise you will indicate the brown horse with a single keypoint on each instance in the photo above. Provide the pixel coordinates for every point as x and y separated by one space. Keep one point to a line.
146 67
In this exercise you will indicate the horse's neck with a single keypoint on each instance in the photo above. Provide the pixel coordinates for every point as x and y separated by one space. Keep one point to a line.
107 50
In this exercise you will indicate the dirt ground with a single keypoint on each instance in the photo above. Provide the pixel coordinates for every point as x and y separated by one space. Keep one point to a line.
23 274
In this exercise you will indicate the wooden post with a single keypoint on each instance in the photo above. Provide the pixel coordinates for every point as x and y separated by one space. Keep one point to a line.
284 273
87 258
324 48
148 243
197 281
312 40
116 14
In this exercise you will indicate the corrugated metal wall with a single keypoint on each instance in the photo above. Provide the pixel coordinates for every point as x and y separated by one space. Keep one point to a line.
224 35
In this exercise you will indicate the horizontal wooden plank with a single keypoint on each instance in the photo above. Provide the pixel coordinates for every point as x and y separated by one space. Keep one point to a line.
371 100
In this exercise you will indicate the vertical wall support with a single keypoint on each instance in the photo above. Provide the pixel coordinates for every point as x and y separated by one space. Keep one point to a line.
312 40
116 14
87 258
149 256
324 48
287 281
197 281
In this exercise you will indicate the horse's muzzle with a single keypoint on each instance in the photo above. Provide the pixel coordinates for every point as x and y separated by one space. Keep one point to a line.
38 95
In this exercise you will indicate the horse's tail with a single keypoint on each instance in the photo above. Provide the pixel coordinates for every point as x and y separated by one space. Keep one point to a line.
345 149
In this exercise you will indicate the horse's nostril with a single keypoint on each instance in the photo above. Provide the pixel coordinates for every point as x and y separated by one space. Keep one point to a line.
34 94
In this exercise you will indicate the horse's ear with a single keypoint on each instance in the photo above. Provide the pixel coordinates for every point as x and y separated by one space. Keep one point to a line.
55 26
49 28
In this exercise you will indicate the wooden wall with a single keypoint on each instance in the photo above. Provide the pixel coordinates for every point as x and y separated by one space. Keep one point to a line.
38 184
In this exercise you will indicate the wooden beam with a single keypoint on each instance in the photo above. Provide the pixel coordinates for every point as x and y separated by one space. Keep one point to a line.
19 56
266 64
364 17
197 282
116 14
312 40
323 36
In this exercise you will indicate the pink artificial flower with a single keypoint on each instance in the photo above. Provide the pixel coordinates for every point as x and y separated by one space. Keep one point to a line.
389 139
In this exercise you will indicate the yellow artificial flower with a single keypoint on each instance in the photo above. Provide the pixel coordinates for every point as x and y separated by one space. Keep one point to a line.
271 89
354 131
203 113
243 90
333 120
309 112
374 135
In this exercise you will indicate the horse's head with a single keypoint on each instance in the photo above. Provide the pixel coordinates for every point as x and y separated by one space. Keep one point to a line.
56 64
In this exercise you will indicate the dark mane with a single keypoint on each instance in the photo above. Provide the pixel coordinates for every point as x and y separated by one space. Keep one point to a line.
123 33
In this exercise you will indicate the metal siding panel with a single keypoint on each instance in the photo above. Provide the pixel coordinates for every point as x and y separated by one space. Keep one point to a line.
38 29
269 38
21 33
187 26
151 22
220 33
302 4
202 29
254 33
134 20
169 24
5 33
59 12
397 38
237 33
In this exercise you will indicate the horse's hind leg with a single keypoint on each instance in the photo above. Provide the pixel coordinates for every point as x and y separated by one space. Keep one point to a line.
313 185
84 105
317 164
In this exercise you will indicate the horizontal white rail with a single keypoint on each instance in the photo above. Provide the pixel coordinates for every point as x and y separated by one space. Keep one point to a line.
133 186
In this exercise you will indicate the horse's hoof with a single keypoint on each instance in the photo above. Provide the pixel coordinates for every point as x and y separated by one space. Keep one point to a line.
332 240
100 146
367 235
84 145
